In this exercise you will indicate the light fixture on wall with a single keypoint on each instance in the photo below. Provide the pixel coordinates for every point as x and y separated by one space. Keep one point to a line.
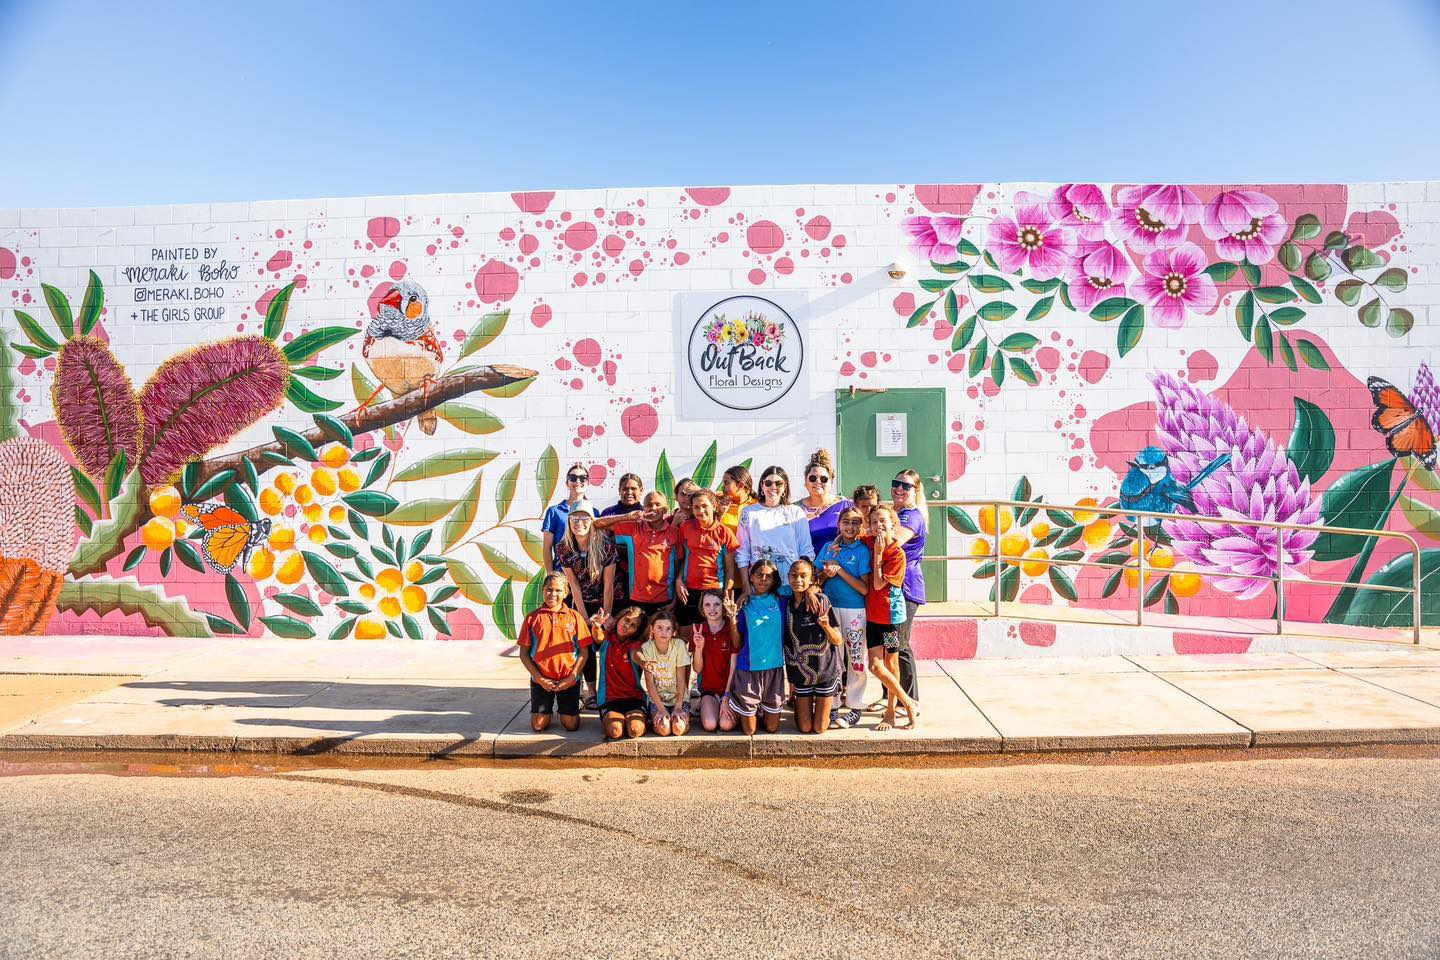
898 269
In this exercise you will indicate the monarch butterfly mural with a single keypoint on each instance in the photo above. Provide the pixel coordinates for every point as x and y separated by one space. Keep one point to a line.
1406 431
229 537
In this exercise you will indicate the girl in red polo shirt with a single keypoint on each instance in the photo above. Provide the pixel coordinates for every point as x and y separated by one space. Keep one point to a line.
622 698
553 642
713 643
707 557
647 540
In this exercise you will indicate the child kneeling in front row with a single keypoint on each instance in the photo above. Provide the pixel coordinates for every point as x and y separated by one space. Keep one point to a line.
758 686
713 647
814 650
621 694
553 642
665 661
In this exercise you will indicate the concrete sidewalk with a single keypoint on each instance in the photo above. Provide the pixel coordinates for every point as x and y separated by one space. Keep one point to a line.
88 693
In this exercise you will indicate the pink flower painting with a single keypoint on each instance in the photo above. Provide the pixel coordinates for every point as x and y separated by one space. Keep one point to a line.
1245 225
1154 217
1175 283
1031 241
1098 272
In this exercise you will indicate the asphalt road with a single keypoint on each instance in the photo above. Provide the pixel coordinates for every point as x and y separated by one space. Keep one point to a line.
1255 858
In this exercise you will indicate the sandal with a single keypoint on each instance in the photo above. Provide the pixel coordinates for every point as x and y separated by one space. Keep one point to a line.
589 702
877 707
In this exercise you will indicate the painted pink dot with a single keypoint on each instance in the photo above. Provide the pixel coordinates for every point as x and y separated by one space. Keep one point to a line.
1048 358
587 352
381 230
397 270
764 236
839 240
541 315
868 358
818 228
580 279
955 461
639 422
507 234
27 366
279 234
846 278
612 245
585 432
637 267
785 266
575 442
496 282
563 363
1202 365
624 218
756 276
847 369
681 259
905 304
533 202
942 331
1080 411
1076 463
889 198
1093 366
367 271
577 384
529 244
301 281
609 369
280 261
431 249
973 443
990 388
7 263
956 363
580 236
708 196
600 432
457 231
263 303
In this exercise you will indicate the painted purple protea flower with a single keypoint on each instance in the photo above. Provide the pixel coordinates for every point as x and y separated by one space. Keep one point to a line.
935 238
1098 272
1426 395
1153 217
1083 208
199 399
1031 239
95 405
1175 282
1245 225
1259 483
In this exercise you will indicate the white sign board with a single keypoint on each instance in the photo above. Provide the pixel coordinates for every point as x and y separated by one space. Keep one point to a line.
891 436
182 283
742 357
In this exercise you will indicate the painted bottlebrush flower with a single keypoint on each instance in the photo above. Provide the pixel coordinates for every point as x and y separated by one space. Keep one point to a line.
1083 208
201 398
1259 483
1175 282
95 405
1245 225
1030 240
1156 216
935 238
1098 272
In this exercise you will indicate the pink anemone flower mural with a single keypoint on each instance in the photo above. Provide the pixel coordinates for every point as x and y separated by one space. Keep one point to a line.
1030 240
1244 225
1153 217
935 238
1175 283
1083 208
1097 273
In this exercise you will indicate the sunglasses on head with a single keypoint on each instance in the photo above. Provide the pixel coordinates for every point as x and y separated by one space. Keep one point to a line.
578 478
902 485
817 478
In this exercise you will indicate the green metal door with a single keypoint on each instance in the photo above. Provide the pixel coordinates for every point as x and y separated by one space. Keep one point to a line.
881 432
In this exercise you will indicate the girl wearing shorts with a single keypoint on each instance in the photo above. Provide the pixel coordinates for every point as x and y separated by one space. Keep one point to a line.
814 652
845 573
552 645
884 610
622 697
665 660
758 684
712 647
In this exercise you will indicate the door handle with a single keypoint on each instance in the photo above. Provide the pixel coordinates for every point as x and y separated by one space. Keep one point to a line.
934 479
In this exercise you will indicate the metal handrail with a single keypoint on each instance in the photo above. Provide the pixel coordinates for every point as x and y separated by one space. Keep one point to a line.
1278 578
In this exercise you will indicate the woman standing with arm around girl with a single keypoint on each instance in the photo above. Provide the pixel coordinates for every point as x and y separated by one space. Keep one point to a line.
822 507
908 497
773 529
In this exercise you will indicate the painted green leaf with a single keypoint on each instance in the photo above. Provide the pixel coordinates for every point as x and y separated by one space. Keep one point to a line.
921 312
371 502
1289 256
1287 353
1311 355
1370 314
547 473
1317 267
1041 308
1393 279
133 558
1349 291
378 468
362 386
665 478
85 487
1379 608
188 554
1360 258
445 464
530 600
1062 584
978 356
505 491
326 577
1307 227
1358 499
468 581
252 476
1252 273
317 373
1024 371
1265 340
1400 322
1132 327
1307 291
997 310
705 469
952 309
1287 316
213 486
530 542
1336 239
958 266
419 513
343 629
37 334
238 498
312 342
1274 294
457 524
502 564
1424 519
932 285
509 390
997 368
34 353
93 303
298 604
964 334
295 444
468 419
9 405
335 428
504 611
275 312
967 249
288 627
1312 441
960 520
1111 309
1039 286
239 602
438 621
1019 342
1221 271
486 329
59 305
986 283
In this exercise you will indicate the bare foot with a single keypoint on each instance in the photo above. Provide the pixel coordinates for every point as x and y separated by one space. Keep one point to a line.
883 726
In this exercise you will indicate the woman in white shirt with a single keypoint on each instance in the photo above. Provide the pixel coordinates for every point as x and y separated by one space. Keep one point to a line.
773 529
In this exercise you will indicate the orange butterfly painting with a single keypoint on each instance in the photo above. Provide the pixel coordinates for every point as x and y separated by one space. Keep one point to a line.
229 537
1407 433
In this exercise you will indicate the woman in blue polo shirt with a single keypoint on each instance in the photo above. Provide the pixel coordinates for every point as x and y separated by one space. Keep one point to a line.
557 519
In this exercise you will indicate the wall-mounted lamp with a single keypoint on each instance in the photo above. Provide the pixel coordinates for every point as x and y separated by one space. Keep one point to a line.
898 269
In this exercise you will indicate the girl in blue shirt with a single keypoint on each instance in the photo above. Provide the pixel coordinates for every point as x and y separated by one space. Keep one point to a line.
844 570
758 684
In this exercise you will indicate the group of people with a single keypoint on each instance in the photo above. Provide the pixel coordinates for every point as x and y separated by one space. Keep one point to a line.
744 591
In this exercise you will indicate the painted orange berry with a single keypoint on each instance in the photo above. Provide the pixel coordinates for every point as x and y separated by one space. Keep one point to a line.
414 571
1086 516
390 607
987 519
367 591
1162 558
314 512
1097 534
1034 565
271 501
369 628
262 563
282 538
1185 583
390 580
1040 531
349 479
337 514
165 502
291 570
1014 545
324 481
285 483
304 494
158 533
334 455
414 598
982 548
318 534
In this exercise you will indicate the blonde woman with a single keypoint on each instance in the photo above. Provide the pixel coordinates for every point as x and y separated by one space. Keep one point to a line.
907 496
587 558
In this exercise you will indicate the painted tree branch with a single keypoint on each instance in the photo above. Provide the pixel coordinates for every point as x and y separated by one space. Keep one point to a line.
388 413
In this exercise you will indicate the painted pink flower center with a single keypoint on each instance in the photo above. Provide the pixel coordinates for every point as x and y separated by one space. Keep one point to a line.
1075 212
1147 222
1100 283
1031 238
1175 284
1250 232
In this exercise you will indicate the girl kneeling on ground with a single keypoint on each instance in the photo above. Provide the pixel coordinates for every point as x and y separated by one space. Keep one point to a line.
714 643
665 660
622 697
814 651
553 642
758 686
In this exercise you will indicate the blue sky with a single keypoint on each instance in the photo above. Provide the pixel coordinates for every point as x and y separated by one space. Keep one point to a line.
135 102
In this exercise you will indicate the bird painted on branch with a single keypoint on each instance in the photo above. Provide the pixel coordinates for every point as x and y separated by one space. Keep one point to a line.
401 346
1150 486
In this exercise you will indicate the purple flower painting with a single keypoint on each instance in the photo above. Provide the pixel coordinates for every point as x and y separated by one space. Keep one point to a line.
1175 282
1032 241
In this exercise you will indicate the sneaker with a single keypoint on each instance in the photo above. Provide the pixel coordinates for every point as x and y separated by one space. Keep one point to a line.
840 720
850 717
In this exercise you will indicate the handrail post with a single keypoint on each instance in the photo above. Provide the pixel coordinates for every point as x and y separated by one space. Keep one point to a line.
1279 582
1140 571
1415 604
996 508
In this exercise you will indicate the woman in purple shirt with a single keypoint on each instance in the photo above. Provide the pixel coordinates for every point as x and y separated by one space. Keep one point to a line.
908 497
822 508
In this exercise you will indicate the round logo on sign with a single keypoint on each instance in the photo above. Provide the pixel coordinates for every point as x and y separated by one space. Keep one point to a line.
745 353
